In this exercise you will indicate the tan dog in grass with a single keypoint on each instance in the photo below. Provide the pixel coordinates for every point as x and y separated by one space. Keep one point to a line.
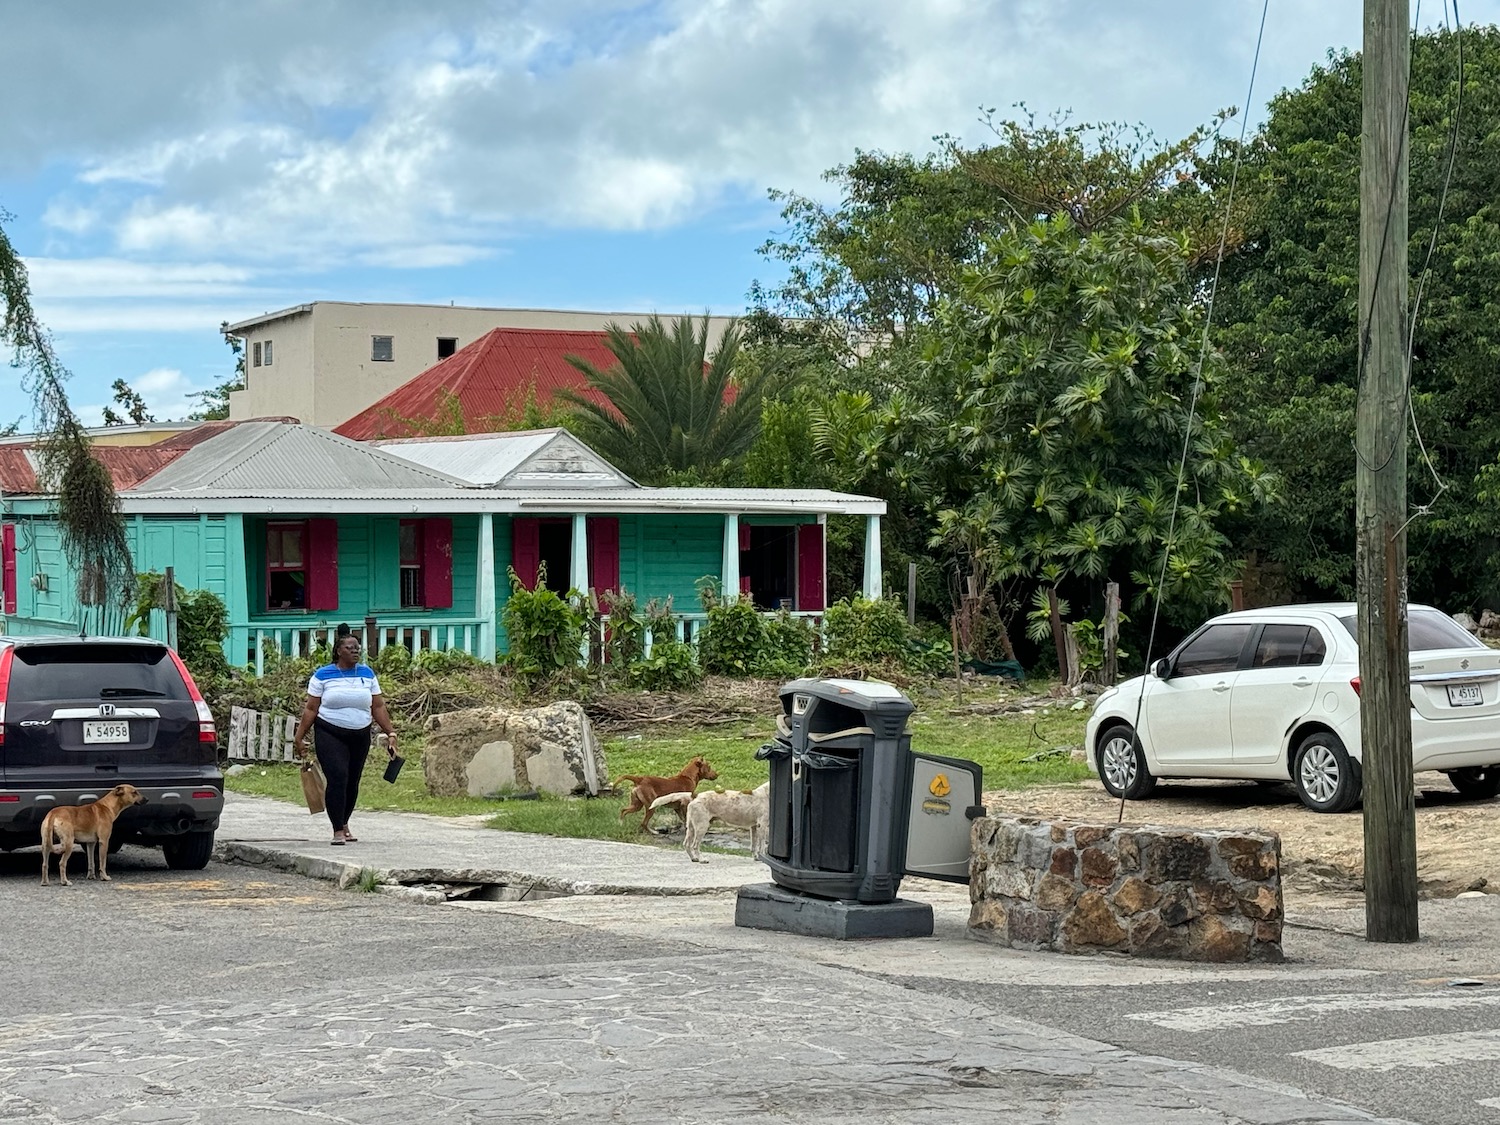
89 825
646 789
739 808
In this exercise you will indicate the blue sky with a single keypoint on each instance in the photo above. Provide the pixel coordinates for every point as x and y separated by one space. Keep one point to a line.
168 167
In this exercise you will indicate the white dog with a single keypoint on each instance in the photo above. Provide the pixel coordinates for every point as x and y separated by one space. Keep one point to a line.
739 808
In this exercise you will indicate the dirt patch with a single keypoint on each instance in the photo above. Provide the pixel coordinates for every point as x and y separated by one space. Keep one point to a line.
1322 855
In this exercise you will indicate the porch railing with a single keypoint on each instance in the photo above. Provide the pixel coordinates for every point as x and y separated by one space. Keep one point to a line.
689 629
257 642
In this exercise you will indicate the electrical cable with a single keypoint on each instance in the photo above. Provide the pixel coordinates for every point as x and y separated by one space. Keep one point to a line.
1187 436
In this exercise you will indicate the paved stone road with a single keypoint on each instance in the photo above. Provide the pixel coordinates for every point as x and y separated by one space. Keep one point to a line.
240 997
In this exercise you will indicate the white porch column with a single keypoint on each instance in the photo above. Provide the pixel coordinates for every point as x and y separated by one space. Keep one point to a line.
874 589
580 573
484 594
580 565
730 572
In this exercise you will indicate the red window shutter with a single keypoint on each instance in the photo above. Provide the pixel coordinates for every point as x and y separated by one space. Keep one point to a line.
526 549
810 567
321 554
744 535
437 563
604 553
8 565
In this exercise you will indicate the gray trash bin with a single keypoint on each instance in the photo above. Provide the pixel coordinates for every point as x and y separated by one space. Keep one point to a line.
844 811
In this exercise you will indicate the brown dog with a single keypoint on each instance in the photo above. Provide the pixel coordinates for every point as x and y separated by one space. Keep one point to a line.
89 825
647 789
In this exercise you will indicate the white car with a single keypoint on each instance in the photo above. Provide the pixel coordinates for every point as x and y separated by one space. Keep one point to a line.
1273 695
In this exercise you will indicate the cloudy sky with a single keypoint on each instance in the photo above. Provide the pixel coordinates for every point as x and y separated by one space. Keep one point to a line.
169 166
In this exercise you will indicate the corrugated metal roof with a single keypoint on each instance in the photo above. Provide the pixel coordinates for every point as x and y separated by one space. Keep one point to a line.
127 465
490 377
519 459
258 457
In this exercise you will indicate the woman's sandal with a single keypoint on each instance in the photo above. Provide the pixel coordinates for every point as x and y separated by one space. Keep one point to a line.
337 842
350 838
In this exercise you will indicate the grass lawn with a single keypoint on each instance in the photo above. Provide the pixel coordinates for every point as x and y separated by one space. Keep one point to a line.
998 742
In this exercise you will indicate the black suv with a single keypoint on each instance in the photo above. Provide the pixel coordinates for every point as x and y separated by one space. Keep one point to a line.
79 716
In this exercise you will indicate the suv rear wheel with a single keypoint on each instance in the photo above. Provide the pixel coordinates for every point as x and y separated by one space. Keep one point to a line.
190 852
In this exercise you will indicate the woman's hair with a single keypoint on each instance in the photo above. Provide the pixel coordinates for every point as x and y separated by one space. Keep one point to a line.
341 632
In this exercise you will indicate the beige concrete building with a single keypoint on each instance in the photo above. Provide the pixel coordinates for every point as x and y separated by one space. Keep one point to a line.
324 362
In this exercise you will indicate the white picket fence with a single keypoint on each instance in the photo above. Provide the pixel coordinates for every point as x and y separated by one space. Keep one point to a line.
257 737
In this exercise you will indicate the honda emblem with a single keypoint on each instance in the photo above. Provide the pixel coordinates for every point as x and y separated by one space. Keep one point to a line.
106 710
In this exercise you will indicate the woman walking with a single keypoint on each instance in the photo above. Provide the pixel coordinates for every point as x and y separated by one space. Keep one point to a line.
343 699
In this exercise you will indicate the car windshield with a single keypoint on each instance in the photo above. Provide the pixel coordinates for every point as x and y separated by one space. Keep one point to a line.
46 672
1427 630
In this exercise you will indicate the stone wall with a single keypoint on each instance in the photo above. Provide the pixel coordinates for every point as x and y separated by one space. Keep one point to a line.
482 751
1151 892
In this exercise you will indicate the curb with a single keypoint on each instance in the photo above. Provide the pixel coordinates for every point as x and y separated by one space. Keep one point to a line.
409 879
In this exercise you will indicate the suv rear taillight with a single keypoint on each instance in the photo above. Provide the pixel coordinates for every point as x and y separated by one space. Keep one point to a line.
206 729
1354 683
6 655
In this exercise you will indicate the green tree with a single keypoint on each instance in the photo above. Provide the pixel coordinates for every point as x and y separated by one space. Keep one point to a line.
1288 310
88 511
130 401
213 404
1058 401
674 413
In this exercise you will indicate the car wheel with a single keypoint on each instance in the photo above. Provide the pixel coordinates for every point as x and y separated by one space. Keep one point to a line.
1122 765
1326 779
190 852
1478 783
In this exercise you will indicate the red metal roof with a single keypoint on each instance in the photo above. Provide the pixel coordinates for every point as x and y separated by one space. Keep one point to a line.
490 378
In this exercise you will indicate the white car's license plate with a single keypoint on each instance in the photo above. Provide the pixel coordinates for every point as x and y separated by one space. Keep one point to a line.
114 730
1465 695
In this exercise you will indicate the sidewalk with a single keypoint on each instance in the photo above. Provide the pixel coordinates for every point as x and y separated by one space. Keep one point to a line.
413 848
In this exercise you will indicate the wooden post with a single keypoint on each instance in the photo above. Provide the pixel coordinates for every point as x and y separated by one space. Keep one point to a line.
169 606
1111 670
1057 633
911 593
1380 481
1237 595
958 669
372 639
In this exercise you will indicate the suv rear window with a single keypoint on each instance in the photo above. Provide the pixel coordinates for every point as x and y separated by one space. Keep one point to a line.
1426 631
49 672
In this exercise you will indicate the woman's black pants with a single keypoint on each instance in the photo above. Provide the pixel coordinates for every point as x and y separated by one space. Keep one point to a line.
341 753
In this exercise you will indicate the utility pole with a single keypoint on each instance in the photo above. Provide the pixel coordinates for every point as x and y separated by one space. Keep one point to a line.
1380 439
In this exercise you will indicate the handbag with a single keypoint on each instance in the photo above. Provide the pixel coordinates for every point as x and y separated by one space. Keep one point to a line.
314 786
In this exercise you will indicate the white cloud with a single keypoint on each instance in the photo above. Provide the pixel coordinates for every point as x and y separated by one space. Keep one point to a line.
121 278
422 136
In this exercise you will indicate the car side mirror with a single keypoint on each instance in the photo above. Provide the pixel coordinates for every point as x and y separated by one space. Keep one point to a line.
1162 669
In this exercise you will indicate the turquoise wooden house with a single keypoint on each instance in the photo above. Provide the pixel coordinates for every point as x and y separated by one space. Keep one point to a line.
299 529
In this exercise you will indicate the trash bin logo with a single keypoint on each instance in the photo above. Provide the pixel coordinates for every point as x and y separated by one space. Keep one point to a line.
939 787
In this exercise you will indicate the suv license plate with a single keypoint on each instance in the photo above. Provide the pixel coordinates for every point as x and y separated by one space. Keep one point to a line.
118 730
1465 695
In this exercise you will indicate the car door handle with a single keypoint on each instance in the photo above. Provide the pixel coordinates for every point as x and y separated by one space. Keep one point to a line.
1303 682
1221 687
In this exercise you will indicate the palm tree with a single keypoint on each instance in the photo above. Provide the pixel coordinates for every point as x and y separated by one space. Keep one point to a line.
675 411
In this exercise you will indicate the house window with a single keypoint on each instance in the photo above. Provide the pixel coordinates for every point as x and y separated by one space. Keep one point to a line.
255 355
447 345
286 566
382 349
268 353
411 564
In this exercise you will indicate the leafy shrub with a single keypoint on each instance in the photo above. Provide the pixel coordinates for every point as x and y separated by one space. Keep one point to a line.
545 630
856 631
393 662
202 625
734 639
438 662
672 665
625 632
